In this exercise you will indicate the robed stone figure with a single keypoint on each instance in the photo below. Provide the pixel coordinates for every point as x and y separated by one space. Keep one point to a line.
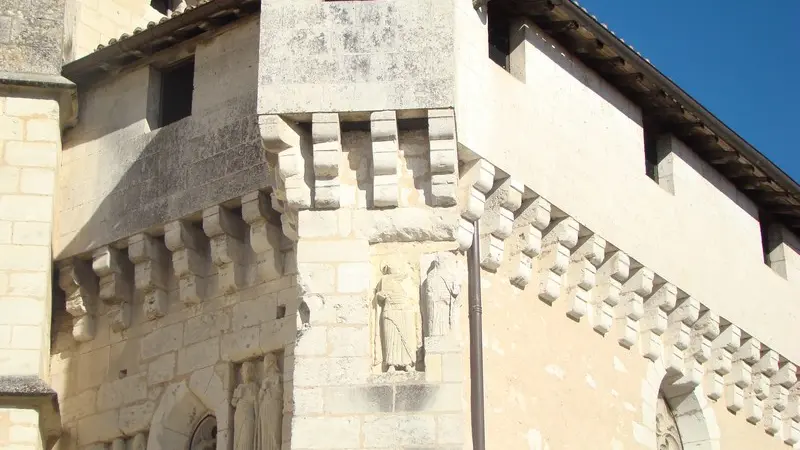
440 296
398 320
258 414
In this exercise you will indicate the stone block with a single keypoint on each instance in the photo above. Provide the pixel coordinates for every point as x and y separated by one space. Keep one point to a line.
428 397
348 341
253 312
42 130
312 342
319 278
241 345
32 233
31 154
313 371
356 250
102 427
353 277
450 429
358 399
26 337
161 369
162 340
37 181
206 326
9 179
78 406
308 401
394 431
31 107
197 356
326 432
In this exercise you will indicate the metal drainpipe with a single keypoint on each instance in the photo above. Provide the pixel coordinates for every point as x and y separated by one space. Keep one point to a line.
476 341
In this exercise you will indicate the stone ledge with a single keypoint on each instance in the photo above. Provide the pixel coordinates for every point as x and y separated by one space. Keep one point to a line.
31 392
34 80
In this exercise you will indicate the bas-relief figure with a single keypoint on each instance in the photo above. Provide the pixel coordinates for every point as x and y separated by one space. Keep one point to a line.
258 414
667 434
440 297
398 319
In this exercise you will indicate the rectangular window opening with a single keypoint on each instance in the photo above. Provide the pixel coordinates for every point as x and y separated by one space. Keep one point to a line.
499 27
177 87
769 239
651 153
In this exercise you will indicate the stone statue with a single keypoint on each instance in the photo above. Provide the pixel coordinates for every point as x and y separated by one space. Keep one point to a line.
270 406
398 321
440 297
245 415
139 442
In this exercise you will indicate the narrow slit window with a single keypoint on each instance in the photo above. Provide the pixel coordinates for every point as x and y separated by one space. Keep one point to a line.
177 87
651 151
768 239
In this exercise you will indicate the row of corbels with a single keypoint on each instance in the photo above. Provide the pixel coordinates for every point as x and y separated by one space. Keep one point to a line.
144 264
290 144
622 298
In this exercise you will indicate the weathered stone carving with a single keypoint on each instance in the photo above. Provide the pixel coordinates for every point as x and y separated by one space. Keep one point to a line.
582 272
286 140
398 320
443 156
630 310
557 243
532 219
258 415
150 258
205 435
116 284
656 310
189 247
477 179
326 138
139 442
245 399
385 158
441 289
497 222
667 434
270 405
79 283
226 233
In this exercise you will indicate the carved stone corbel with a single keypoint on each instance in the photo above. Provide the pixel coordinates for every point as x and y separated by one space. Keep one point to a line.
757 390
780 382
558 241
226 233
150 258
326 137
790 430
606 295
677 340
630 309
385 158
582 272
79 283
656 319
497 222
265 236
532 219
116 284
477 179
190 259
443 157
286 140
740 376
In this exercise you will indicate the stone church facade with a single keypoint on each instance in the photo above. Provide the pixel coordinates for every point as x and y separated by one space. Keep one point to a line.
379 224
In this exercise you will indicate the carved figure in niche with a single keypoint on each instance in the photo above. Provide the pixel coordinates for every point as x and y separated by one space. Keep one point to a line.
245 414
398 320
440 298
270 406
667 434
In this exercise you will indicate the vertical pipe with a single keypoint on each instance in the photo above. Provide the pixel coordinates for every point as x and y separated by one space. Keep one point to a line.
476 342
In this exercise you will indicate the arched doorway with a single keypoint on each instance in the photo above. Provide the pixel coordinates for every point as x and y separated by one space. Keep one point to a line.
204 436
667 434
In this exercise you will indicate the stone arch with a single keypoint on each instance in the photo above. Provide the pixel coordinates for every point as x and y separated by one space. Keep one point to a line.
183 405
690 408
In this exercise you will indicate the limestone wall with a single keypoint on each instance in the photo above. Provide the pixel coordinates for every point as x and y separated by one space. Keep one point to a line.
120 176
29 149
153 332
572 138
89 23
355 56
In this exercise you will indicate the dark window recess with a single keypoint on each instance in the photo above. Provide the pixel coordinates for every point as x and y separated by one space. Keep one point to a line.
160 5
499 35
651 156
177 86
768 238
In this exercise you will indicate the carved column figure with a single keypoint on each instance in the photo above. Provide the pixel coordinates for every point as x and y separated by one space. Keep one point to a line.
139 442
440 289
245 416
270 406
397 322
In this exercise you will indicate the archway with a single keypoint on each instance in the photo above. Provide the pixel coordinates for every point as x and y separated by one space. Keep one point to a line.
205 434
679 413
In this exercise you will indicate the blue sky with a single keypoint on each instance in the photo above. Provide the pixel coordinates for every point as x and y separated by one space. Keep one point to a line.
740 59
